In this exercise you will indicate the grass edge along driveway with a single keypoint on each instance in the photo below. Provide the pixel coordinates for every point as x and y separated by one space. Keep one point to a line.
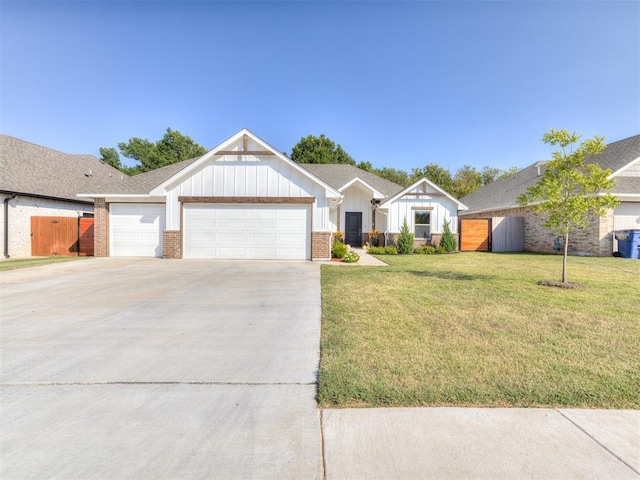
474 329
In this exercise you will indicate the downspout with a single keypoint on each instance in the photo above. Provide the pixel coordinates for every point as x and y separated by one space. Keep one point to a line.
6 224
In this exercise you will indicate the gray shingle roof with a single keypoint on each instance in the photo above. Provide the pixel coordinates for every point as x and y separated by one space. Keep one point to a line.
504 193
142 183
338 175
28 168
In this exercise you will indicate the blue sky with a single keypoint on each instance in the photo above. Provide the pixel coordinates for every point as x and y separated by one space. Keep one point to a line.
398 84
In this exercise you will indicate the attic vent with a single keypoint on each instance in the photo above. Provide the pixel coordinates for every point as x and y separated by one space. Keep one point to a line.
90 174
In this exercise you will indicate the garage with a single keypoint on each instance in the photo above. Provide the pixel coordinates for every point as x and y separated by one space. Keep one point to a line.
136 229
626 216
240 231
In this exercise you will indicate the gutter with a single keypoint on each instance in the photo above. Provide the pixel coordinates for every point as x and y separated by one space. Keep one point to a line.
6 224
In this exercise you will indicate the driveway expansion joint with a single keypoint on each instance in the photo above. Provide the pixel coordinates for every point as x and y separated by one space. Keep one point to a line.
598 442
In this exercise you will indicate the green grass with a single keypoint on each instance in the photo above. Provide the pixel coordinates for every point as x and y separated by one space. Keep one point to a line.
474 329
35 262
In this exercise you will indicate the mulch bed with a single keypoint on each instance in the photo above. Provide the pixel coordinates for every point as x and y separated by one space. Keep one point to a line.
555 283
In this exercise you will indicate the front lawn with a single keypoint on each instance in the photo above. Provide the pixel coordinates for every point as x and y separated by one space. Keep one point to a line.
474 329
35 262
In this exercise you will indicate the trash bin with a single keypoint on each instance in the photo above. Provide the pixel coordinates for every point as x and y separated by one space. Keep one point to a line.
628 243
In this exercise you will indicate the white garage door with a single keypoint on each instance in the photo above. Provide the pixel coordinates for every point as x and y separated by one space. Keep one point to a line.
136 230
626 216
241 231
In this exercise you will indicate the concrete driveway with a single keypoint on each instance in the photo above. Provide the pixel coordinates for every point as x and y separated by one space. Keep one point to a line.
136 368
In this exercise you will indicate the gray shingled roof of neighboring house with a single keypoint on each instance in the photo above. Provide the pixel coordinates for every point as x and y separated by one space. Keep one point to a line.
618 154
30 169
142 183
338 175
503 193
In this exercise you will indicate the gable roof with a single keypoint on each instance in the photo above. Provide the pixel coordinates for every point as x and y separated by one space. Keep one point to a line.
30 169
155 181
461 206
340 174
503 193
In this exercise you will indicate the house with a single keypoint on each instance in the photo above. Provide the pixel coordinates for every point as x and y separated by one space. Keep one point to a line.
39 186
245 199
498 201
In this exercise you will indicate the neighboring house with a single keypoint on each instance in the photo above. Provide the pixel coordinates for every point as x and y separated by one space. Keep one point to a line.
245 199
39 182
498 201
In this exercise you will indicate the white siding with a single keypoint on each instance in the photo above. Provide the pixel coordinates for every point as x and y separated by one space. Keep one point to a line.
442 209
357 199
248 176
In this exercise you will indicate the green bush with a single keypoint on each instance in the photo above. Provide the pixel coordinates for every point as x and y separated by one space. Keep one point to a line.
339 249
405 239
390 250
351 257
376 250
425 250
448 241
441 249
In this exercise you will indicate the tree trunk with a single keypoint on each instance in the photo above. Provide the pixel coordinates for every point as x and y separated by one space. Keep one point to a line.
564 259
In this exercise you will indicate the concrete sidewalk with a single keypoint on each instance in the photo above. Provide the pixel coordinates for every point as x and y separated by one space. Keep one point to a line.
481 443
366 260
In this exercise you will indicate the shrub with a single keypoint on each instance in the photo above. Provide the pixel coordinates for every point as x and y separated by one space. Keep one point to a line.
441 249
448 241
339 249
425 250
376 250
405 239
390 250
351 257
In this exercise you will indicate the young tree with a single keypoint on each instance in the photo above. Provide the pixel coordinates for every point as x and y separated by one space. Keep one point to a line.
312 149
173 147
570 190
405 239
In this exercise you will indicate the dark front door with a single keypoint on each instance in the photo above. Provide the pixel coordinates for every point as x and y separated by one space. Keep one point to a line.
353 230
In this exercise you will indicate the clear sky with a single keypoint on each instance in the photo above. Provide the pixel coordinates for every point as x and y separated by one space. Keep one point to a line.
398 84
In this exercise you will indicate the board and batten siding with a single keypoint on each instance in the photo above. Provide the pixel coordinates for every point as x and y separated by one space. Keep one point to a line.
441 209
248 176
357 199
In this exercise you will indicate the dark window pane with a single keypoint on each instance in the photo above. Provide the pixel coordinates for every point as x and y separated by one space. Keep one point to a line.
422 217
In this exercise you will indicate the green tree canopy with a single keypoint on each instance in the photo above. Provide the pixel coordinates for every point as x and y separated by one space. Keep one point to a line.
312 149
173 147
435 173
570 190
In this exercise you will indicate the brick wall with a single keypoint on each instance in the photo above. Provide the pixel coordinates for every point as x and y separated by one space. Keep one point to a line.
595 240
320 245
172 244
101 227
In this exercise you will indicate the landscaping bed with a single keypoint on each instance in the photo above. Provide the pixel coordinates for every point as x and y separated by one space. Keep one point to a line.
476 329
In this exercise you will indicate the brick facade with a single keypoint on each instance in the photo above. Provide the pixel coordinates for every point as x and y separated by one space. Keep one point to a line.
594 240
101 227
321 245
172 244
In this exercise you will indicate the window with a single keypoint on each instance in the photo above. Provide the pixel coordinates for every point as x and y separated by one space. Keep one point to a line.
422 223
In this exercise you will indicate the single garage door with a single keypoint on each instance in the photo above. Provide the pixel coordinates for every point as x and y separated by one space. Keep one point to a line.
136 229
247 231
626 216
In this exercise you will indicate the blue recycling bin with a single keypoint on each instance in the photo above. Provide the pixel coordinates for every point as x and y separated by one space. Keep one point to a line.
628 243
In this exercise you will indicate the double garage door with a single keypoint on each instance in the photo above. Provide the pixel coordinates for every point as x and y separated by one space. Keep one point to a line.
215 231
246 231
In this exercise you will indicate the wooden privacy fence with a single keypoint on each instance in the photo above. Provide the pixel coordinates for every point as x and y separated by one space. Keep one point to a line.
61 236
475 235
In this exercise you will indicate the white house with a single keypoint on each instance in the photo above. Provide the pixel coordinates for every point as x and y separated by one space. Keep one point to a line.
245 199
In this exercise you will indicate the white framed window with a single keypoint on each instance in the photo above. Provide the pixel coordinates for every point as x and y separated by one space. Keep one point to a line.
422 223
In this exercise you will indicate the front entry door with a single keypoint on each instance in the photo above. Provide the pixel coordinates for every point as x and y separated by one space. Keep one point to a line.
353 230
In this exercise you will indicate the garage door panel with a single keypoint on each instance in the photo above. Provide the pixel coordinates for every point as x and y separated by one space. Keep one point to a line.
136 230
247 231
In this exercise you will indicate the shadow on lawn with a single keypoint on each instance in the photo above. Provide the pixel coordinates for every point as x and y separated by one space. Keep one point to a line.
451 275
